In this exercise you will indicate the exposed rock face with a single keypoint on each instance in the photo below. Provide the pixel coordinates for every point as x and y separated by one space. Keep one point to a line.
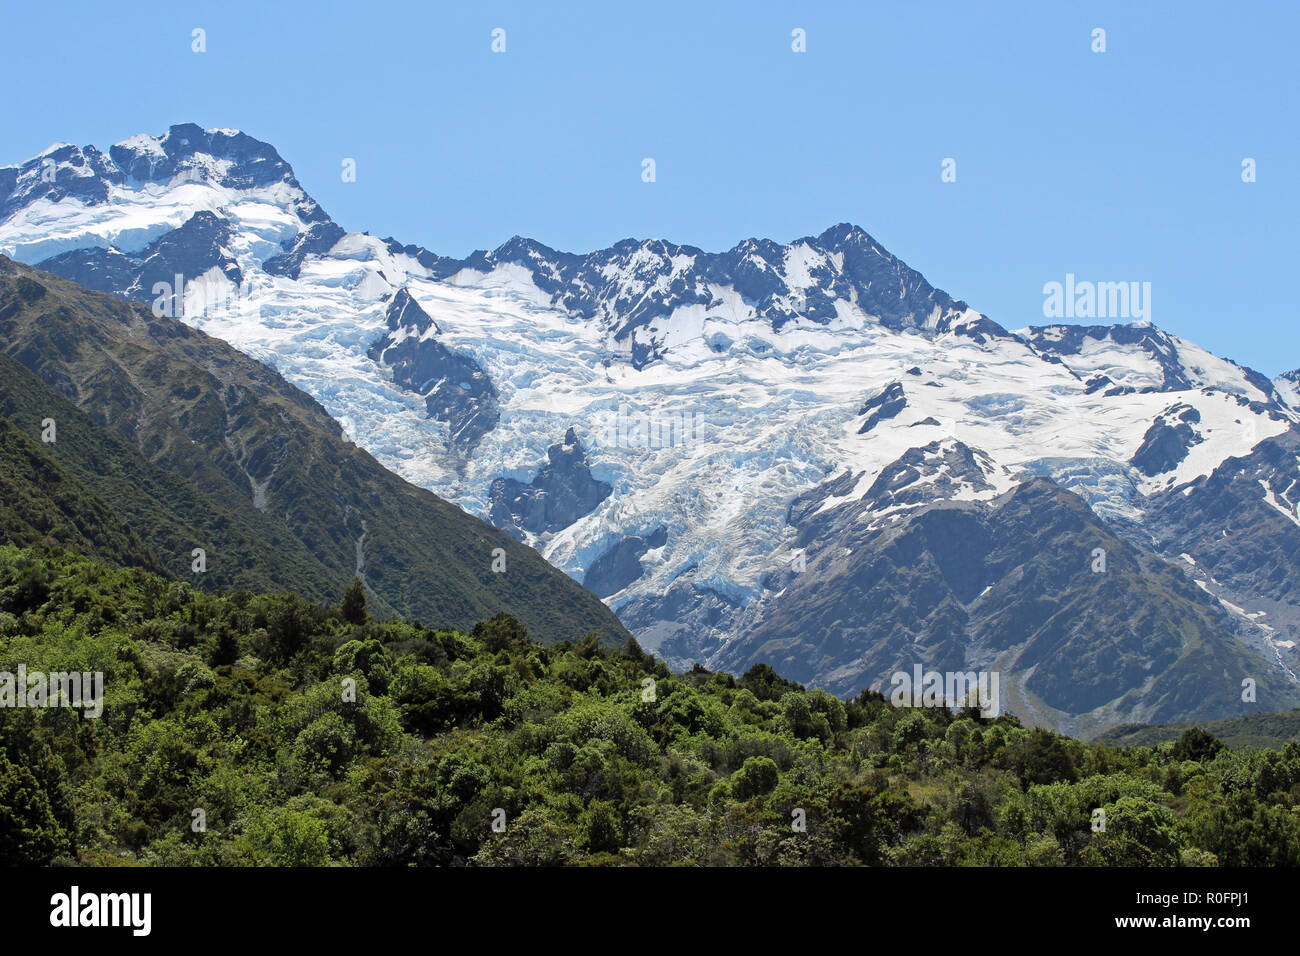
562 491
249 163
316 240
1167 441
679 623
920 476
456 390
886 403
201 244
1242 525
618 567
105 270
1069 340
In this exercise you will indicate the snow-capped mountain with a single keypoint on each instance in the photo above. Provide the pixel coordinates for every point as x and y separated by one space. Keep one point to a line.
801 453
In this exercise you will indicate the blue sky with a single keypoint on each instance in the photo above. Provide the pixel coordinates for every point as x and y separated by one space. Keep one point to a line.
1115 166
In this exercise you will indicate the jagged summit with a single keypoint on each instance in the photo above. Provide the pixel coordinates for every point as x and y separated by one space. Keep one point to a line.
186 152
159 158
636 291
145 186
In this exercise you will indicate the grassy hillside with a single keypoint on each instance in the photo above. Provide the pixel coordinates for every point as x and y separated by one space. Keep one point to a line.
229 457
168 512
45 505
265 730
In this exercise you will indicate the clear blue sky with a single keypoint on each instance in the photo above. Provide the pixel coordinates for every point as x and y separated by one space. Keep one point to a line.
1117 166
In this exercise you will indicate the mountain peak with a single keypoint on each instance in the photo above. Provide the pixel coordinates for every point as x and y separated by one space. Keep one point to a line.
227 157
186 156
846 233
54 148
404 312
517 246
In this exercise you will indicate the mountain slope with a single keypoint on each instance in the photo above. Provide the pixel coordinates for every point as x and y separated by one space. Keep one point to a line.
1014 586
1242 525
320 509
711 393
1288 386
1274 730
164 509
46 506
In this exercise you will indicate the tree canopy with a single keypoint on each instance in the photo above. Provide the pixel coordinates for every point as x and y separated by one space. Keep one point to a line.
254 729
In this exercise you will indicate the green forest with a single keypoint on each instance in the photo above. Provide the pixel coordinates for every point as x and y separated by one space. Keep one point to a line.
253 729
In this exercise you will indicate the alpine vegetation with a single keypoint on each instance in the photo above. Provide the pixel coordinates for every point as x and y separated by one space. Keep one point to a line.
248 729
